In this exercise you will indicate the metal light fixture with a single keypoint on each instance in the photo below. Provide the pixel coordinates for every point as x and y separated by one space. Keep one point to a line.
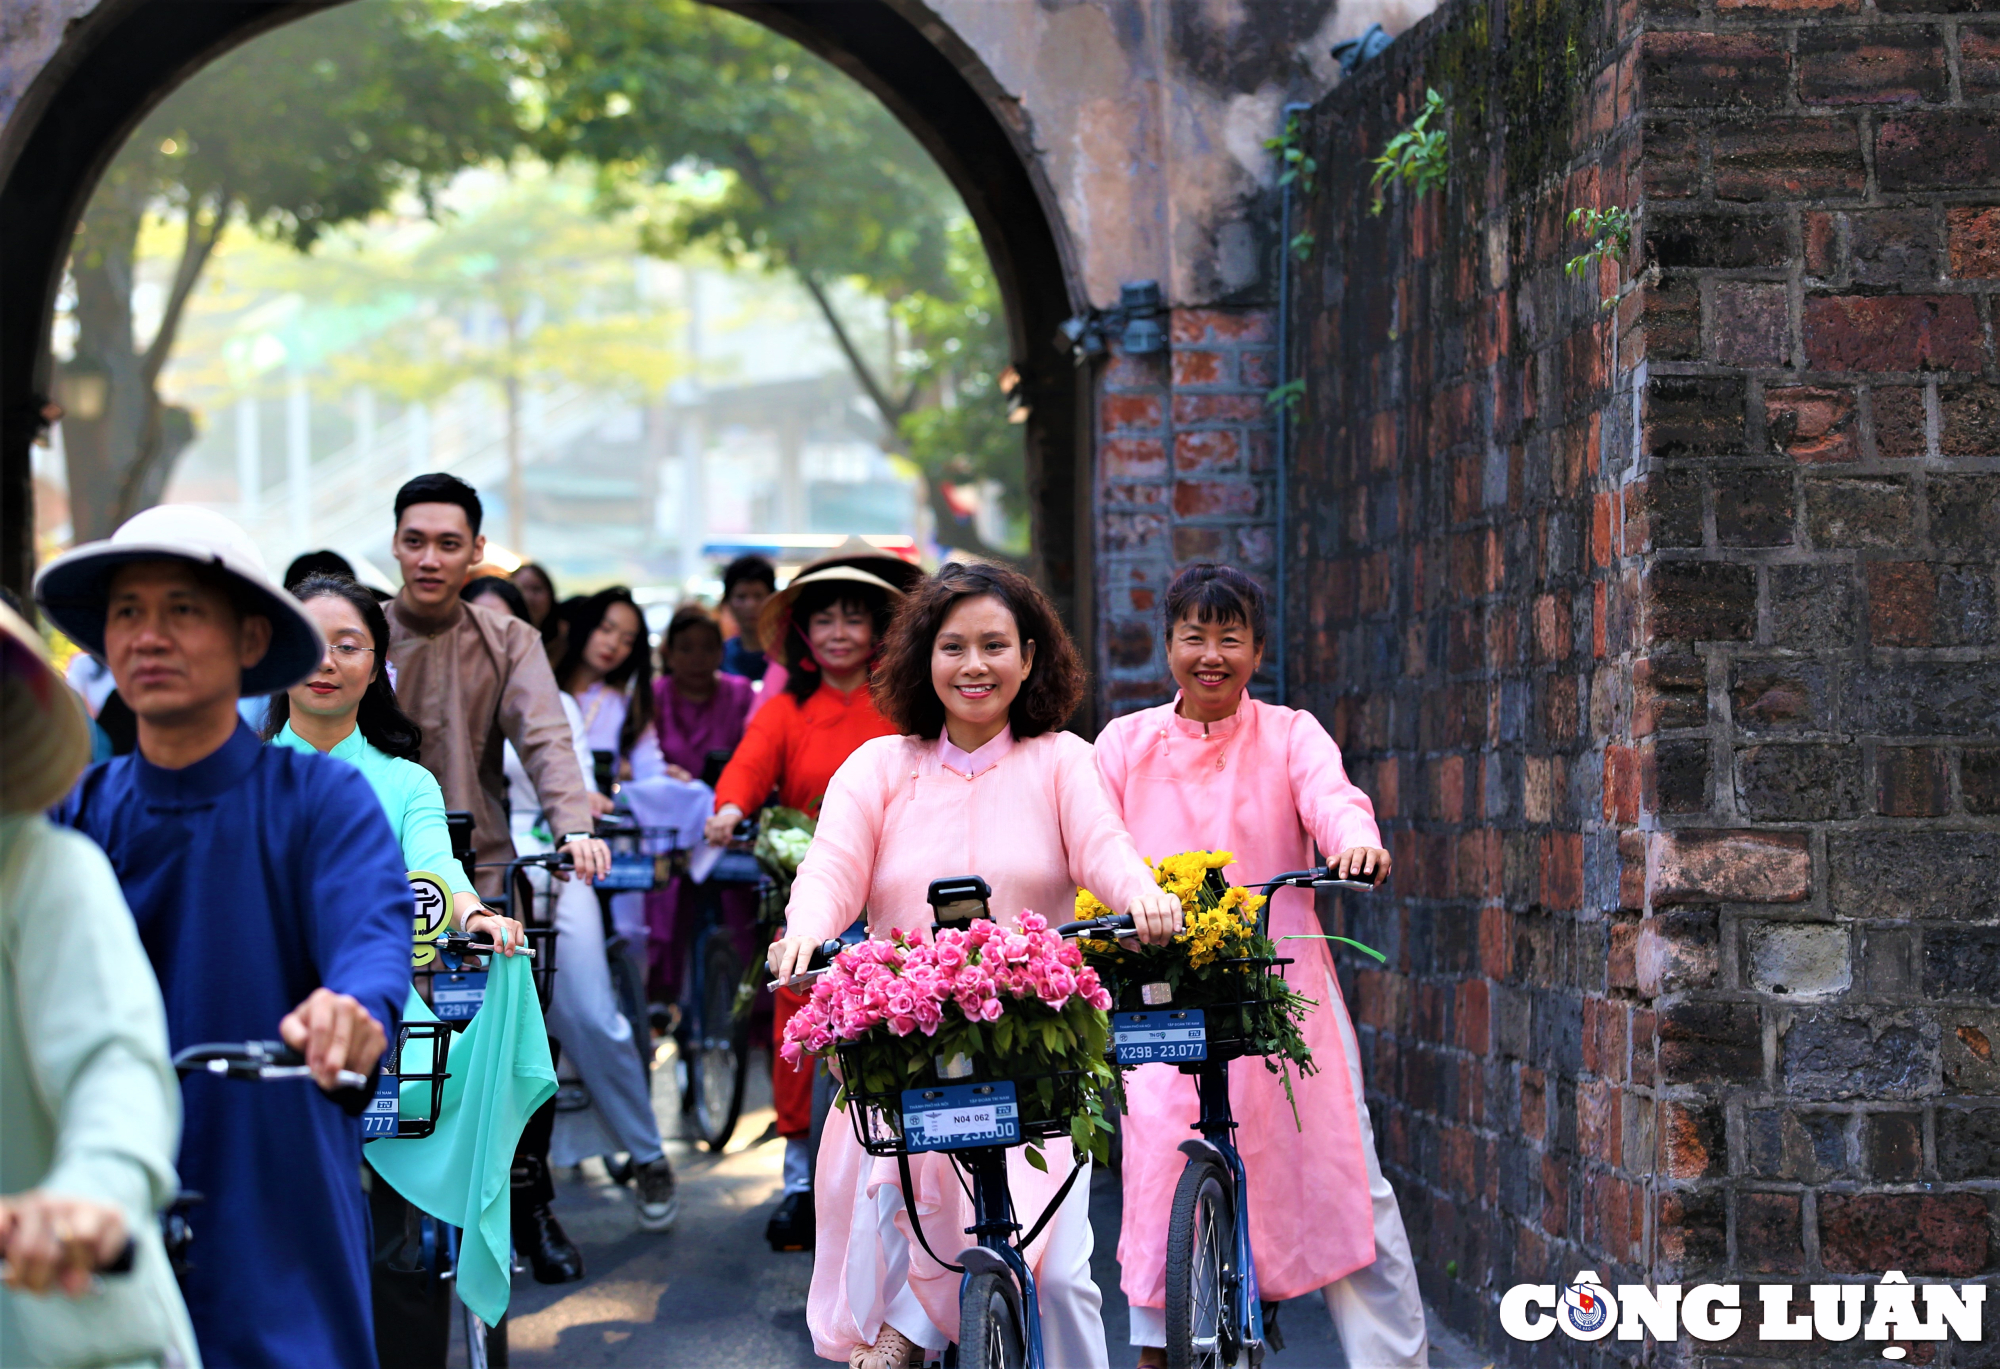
84 392
1014 385
1135 322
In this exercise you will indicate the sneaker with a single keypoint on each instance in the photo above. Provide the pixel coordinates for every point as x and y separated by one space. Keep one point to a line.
658 1204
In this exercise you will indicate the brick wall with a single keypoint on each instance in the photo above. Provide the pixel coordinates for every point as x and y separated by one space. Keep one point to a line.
1666 636
1185 463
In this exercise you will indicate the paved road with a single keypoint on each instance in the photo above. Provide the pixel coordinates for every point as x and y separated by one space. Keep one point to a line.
711 1295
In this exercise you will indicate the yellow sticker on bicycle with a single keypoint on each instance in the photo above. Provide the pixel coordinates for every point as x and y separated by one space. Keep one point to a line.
433 915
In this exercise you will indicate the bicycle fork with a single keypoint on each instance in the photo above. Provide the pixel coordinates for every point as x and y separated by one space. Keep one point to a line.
1217 1122
994 1225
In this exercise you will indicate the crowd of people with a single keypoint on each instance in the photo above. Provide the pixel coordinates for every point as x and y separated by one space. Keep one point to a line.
273 760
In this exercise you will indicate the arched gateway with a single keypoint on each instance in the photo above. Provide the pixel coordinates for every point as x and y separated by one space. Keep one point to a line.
123 57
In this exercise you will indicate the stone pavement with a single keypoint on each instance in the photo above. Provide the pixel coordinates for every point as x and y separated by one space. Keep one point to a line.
711 1295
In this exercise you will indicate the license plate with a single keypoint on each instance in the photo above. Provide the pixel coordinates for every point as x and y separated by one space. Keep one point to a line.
1165 1036
955 1116
456 997
630 872
385 1108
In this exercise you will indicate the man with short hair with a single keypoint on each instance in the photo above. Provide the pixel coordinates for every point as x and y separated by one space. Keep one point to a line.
271 898
747 582
473 679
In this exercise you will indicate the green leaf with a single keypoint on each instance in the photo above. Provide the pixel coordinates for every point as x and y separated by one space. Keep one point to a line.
1034 1157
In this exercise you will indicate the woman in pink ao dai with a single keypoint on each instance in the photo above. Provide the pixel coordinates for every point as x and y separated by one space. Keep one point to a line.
979 675
1217 770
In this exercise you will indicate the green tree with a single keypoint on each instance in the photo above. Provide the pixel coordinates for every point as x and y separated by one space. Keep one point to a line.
779 161
319 123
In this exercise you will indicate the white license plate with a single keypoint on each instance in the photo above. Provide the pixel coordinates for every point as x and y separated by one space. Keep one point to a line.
955 1116
1163 1036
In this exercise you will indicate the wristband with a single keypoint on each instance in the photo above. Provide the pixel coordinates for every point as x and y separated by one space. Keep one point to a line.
569 837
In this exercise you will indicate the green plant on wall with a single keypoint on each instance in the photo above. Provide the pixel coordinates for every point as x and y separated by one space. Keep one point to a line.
1419 156
1295 167
1610 233
1285 398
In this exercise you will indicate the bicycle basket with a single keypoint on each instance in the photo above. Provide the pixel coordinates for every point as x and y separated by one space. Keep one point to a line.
1236 997
1044 1102
381 1122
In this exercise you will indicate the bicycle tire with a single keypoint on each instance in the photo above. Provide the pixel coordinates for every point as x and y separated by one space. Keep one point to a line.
628 991
718 1059
989 1324
1201 1250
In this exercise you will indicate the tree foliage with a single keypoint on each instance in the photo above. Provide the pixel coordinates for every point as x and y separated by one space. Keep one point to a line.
781 162
321 122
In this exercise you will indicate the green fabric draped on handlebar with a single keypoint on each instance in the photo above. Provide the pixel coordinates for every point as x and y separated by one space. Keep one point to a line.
461 1173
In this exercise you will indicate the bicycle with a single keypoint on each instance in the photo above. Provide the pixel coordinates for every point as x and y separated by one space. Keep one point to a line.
1216 1318
999 1311
713 1036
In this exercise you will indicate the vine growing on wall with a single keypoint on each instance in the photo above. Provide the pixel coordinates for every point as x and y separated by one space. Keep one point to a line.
1610 233
1297 167
1419 156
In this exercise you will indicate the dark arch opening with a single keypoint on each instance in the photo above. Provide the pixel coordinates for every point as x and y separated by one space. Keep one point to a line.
127 55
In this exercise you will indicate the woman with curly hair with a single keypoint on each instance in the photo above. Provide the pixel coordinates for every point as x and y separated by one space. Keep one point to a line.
978 677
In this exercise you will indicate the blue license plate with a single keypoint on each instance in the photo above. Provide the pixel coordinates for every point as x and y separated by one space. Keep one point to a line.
957 1116
456 996
385 1108
1175 1036
630 872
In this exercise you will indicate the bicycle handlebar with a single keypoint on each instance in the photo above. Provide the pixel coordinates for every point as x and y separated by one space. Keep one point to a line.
458 943
254 1060
817 964
1118 924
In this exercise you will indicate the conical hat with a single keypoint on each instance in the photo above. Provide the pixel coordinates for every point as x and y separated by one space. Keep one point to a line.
46 731
855 560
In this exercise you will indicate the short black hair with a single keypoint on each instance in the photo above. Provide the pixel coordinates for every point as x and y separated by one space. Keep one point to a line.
1212 593
310 563
436 487
750 567
689 618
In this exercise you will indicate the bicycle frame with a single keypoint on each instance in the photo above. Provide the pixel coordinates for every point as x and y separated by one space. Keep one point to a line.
1217 1122
993 1223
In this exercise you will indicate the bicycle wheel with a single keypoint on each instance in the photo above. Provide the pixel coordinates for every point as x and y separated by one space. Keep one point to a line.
1201 1250
628 991
719 1045
989 1325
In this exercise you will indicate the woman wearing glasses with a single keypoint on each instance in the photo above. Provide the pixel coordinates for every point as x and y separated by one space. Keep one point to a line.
347 709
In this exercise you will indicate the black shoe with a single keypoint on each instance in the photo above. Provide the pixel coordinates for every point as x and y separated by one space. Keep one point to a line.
657 1204
791 1226
552 1255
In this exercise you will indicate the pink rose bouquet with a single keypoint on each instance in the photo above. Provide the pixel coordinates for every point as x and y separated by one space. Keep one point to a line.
1015 1003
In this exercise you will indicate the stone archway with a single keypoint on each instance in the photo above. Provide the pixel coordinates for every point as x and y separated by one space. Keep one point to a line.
118 60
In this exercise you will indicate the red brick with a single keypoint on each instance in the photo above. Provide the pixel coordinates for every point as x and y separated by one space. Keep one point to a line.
1912 781
1621 784
1788 158
1200 544
1130 411
1134 456
1221 325
1813 423
1620 970
1893 333
1206 408
1691 1141
1941 151
1202 368
1881 64
1799 7
1562 871
1259 368
1706 69
1979 60
1599 1126
1127 494
1632 873
1208 450
1749 325
1134 531
1822 242
1918 1233
1902 602
1973 240
1470 1015
1898 412
1729 867
1769 1233
1216 499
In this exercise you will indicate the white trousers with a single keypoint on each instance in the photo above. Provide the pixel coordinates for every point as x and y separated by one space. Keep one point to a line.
596 1038
1377 1310
1072 1307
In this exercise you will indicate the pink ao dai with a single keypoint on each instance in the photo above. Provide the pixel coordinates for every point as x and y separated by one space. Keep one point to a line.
1258 784
1035 824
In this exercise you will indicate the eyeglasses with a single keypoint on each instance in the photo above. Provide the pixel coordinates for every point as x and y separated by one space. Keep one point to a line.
347 651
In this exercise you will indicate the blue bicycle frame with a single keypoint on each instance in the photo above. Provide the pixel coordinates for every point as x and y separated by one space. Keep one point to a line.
1246 1308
